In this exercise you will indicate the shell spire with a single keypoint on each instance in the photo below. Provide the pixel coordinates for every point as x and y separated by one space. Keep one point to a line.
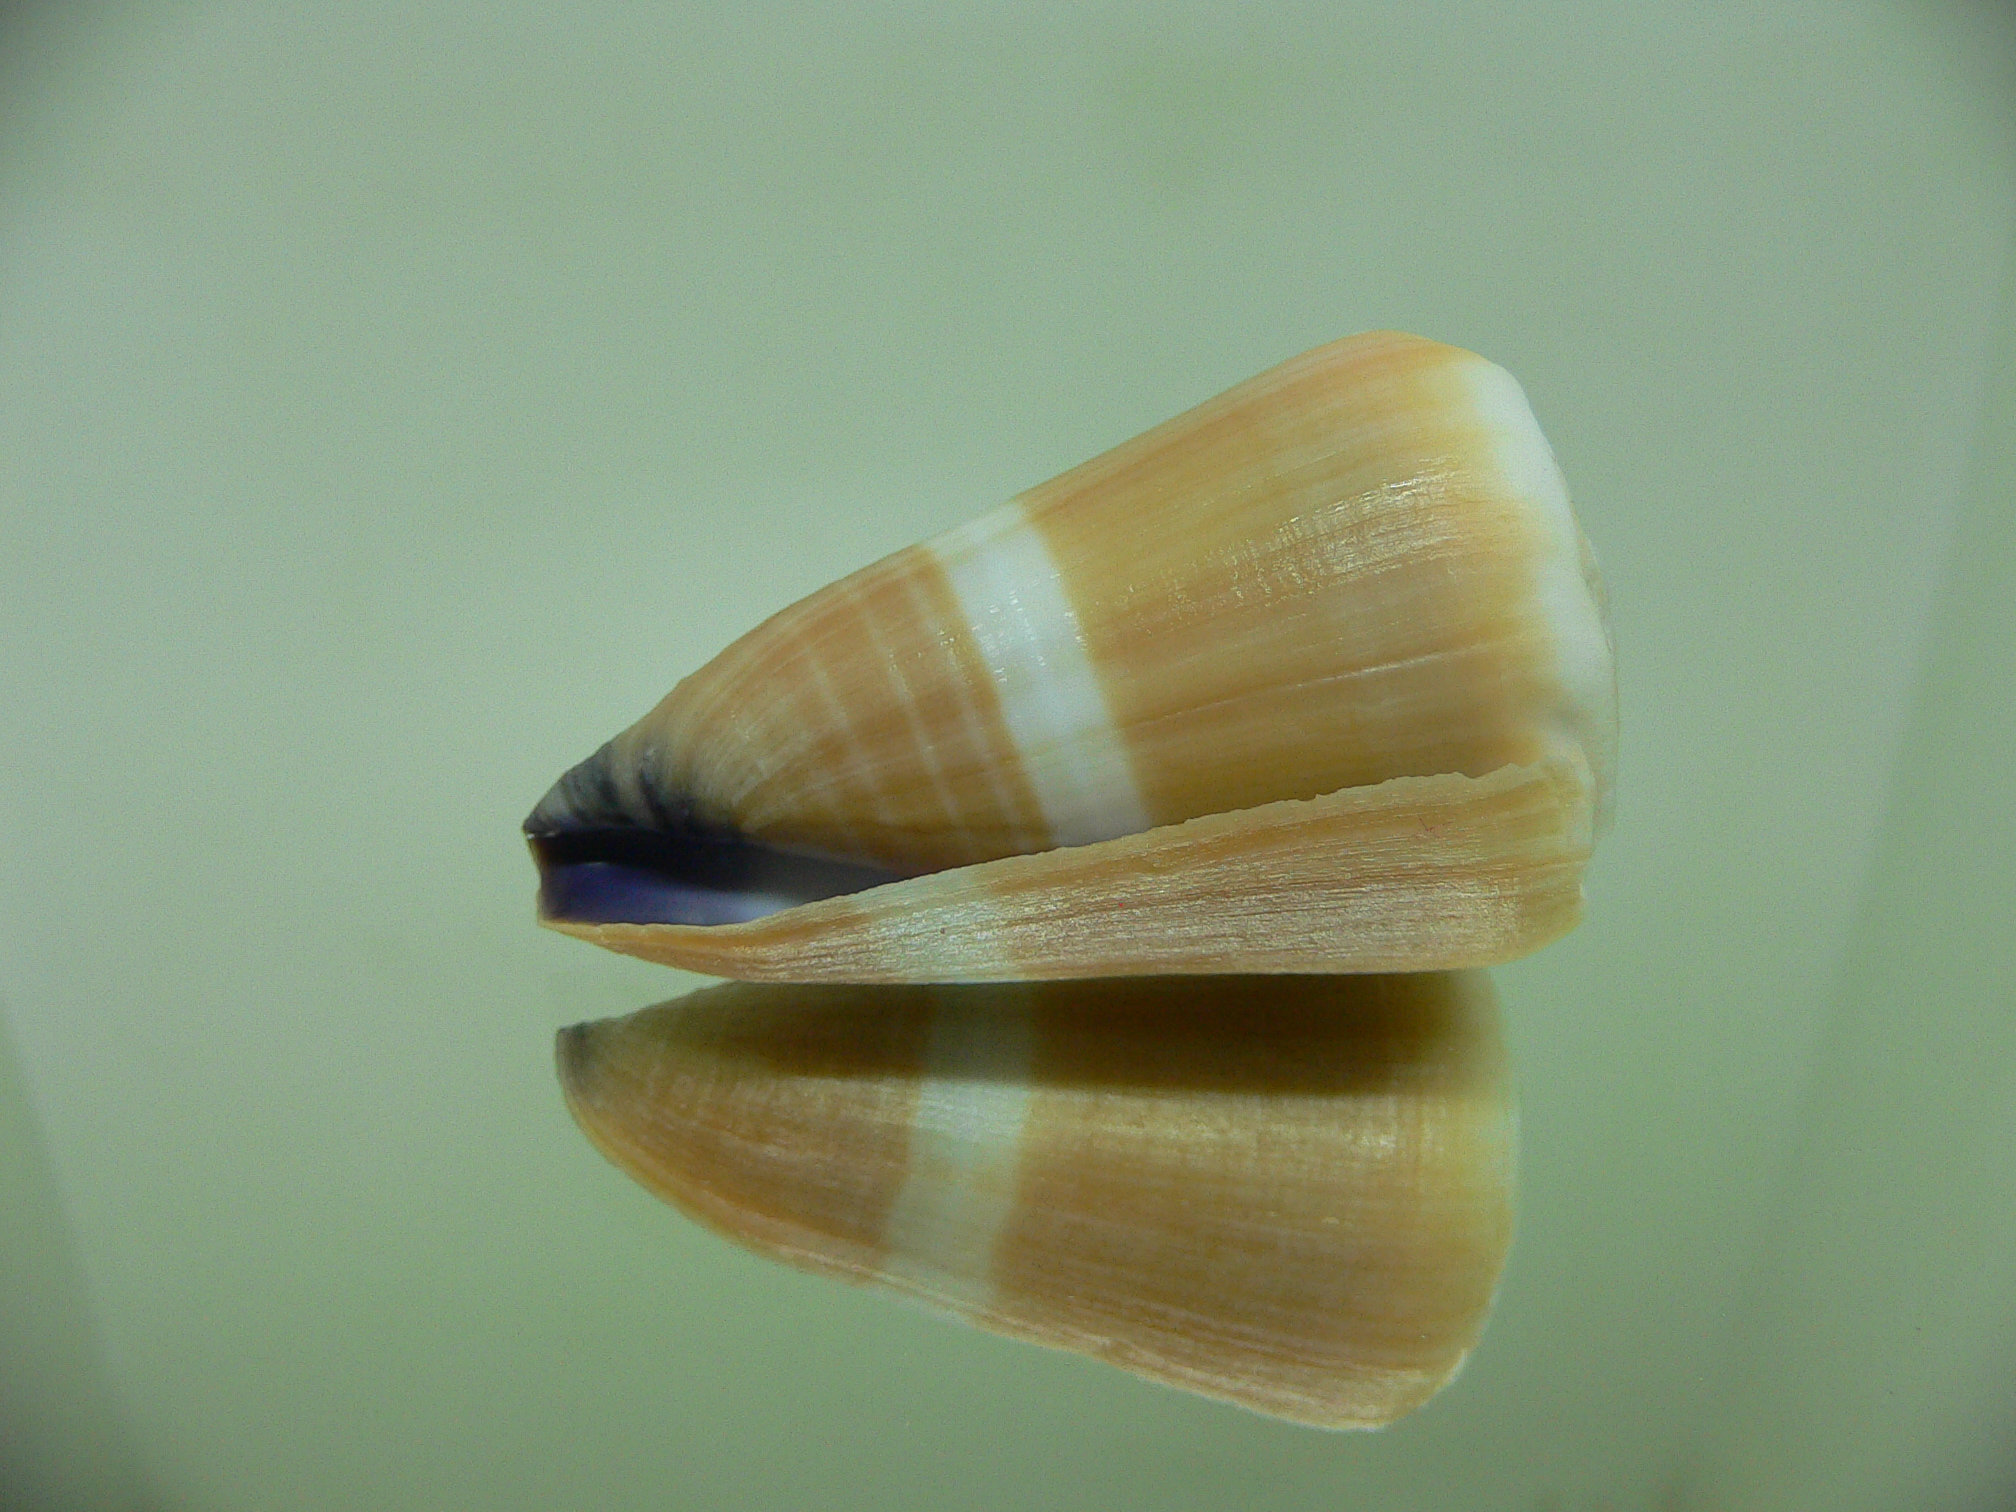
1342 604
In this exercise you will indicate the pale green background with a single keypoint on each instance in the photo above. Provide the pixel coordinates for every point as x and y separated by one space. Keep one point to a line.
395 400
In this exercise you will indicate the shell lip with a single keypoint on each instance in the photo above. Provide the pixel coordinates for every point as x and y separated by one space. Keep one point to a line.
601 873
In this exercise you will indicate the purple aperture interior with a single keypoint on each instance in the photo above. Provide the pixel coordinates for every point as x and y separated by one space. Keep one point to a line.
603 874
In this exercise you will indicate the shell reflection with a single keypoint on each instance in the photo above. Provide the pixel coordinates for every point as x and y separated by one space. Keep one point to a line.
1293 1193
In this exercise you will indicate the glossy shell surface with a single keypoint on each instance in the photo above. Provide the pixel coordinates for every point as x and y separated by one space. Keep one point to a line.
1312 678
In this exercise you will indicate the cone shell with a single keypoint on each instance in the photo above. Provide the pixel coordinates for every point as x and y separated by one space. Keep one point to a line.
1292 1193
1341 616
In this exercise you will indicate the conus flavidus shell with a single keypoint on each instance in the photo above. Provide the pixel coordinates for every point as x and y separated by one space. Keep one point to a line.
1312 678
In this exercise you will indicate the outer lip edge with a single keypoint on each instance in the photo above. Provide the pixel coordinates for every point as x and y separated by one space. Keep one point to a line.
1005 920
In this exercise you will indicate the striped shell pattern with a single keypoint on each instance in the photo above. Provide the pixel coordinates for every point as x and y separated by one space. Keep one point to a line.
1190 750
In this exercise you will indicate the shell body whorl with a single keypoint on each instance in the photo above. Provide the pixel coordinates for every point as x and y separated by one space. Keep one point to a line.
1356 568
